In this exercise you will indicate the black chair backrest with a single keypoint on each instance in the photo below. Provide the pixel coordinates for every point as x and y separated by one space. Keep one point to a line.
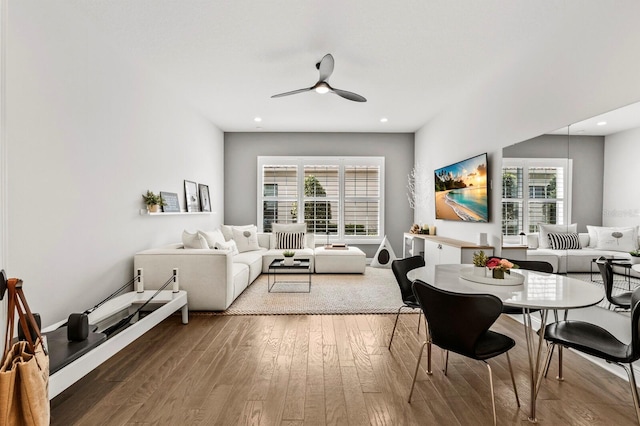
400 267
456 321
606 270
531 265
635 324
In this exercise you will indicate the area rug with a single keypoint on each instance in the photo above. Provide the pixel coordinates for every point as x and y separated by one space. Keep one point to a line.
374 292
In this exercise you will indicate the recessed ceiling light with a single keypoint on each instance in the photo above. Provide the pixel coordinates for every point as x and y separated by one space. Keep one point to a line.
384 119
601 123
257 119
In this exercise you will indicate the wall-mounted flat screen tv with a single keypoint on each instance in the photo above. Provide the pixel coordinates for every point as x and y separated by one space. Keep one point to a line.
461 190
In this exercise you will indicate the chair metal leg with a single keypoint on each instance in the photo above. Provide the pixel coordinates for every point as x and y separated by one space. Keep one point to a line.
560 376
419 323
429 347
493 398
513 380
415 373
634 389
446 362
394 326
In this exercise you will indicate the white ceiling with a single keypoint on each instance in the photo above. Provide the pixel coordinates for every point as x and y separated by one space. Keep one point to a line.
611 122
410 59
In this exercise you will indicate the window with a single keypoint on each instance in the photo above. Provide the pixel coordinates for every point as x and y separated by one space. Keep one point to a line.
534 190
340 198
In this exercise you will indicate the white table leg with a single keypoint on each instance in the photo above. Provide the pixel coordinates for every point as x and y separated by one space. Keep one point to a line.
185 314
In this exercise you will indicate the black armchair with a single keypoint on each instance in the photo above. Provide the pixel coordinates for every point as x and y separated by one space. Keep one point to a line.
400 267
598 342
620 301
460 323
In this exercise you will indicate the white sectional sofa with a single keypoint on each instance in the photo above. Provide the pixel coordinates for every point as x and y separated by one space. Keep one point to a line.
214 278
580 260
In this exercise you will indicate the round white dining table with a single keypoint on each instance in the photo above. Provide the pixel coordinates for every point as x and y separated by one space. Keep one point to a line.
539 290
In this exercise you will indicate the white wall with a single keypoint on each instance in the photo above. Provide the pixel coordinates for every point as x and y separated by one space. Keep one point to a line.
88 131
530 98
621 198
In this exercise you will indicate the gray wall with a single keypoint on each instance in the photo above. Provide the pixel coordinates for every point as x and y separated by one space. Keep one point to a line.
242 149
587 153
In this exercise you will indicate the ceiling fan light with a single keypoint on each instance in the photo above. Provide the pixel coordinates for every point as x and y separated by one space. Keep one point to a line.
322 88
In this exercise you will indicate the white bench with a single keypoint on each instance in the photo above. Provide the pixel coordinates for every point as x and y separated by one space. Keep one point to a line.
349 260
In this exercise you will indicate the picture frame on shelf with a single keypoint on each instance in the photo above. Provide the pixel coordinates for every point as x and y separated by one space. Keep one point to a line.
191 196
171 203
205 201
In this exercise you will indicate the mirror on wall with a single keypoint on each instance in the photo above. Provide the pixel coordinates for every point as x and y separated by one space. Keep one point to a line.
580 180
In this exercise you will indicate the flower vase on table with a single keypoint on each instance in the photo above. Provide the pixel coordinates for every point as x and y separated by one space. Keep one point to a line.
498 274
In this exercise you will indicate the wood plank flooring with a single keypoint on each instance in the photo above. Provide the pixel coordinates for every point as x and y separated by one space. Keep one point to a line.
316 370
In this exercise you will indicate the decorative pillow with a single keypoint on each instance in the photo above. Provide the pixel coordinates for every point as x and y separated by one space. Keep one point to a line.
228 245
284 227
227 230
246 238
194 241
564 241
290 240
212 237
617 239
544 230
594 230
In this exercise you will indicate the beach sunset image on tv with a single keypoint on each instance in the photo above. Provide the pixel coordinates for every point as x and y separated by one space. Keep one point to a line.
461 191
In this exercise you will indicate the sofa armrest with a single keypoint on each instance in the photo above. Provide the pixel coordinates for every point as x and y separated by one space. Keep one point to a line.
205 274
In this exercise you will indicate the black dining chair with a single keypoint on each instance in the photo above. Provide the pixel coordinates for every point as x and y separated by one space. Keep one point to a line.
400 267
530 265
460 323
598 342
621 300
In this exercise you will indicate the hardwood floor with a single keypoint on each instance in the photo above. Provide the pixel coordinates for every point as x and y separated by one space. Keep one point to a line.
315 370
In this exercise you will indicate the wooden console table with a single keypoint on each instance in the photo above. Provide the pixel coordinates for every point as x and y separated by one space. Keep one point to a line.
438 250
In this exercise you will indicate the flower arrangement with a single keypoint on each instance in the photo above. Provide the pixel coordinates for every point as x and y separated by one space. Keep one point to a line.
480 259
500 266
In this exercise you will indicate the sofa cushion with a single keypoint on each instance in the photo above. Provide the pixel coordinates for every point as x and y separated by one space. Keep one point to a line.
212 237
253 259
228 245
284 227
617 239
194 240
227 230
544 230
567 241
246 238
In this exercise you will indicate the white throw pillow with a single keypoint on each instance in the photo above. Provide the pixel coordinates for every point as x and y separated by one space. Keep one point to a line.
246 238
594 230
228 245
193 241
227 230
617 239
213 237
285 227
545 229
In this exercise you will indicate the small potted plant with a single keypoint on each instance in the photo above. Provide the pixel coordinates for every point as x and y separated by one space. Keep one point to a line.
499 267
635 256
153 201
479 263
288 257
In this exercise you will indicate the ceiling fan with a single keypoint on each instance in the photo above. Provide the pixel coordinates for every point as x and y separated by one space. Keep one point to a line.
325 66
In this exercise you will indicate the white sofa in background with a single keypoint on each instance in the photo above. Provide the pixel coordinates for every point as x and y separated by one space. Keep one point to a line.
214 278
576 260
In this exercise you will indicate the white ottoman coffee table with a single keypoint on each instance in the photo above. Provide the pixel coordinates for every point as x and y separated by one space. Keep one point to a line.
349 260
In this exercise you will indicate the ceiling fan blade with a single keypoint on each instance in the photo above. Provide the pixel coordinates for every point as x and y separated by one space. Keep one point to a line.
293 92
349 95
326 67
